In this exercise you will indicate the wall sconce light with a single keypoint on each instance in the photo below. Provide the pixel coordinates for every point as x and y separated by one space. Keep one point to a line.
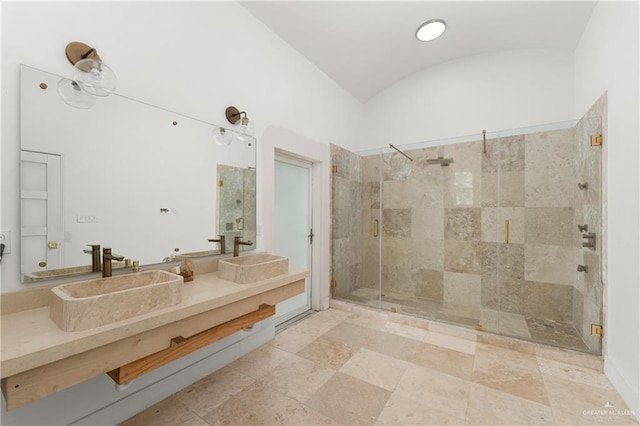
91 74
239 119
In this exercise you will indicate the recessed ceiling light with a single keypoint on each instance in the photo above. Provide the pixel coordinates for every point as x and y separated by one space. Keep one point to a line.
431 30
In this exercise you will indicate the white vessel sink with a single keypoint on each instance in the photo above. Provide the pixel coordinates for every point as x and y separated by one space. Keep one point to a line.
88 304
252 268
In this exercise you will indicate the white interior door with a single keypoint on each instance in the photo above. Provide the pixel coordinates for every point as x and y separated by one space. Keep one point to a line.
41 212
292 230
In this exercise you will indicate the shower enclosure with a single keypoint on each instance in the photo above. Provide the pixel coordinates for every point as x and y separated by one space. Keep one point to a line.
502 235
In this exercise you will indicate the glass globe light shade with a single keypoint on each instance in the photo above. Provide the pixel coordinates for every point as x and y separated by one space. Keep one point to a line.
244 129
72 94
95 77
222 137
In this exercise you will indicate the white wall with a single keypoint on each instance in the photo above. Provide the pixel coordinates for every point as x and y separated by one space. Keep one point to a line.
607 60
195 58
494 91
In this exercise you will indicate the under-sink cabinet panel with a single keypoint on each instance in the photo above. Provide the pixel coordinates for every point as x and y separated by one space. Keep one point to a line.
51 360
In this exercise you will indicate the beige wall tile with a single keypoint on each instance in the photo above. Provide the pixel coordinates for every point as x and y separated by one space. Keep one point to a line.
396 223
504 323
550 150
463 187
551 264
428 254
493 224
511 185
505 189
463 256
548 301
395 166
427 223
397 194
491 158
466 155
512 153
428 284
550 225
462 289
489 190
550 187
462 224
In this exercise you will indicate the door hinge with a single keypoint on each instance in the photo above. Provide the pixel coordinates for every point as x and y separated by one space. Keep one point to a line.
597 330
220 182
311 235
333 283
596 140
334 169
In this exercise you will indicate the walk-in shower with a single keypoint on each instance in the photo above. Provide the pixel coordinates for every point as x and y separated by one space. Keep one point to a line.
496 239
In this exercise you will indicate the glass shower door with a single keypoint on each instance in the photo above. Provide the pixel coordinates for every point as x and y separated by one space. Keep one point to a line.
355 205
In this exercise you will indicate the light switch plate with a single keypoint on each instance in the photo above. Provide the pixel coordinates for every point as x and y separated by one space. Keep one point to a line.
5 238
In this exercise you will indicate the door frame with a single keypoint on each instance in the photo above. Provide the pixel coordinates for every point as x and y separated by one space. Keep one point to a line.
295 145
286 158
53 229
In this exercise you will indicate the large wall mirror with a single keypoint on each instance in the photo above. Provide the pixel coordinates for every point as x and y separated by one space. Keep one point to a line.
149 183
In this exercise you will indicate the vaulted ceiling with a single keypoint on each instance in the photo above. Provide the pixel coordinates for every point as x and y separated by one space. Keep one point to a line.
367 46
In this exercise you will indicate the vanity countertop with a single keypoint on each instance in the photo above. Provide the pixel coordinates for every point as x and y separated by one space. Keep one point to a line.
31 339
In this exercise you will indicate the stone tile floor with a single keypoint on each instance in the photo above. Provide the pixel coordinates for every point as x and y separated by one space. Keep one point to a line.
353 366
553 333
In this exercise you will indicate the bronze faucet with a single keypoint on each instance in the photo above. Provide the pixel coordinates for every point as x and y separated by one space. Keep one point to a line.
95 257
107 257
222 242
236 245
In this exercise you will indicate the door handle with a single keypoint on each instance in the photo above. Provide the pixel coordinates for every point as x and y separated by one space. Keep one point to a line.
506 231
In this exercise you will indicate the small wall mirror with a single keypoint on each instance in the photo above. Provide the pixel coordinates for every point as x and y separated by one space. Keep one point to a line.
127 175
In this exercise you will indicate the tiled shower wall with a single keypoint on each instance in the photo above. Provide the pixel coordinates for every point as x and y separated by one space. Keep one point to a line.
236 204
588 288
346 220
443 228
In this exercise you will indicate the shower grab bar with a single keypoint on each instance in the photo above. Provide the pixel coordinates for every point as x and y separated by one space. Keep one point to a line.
374 227
392 146
506 231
